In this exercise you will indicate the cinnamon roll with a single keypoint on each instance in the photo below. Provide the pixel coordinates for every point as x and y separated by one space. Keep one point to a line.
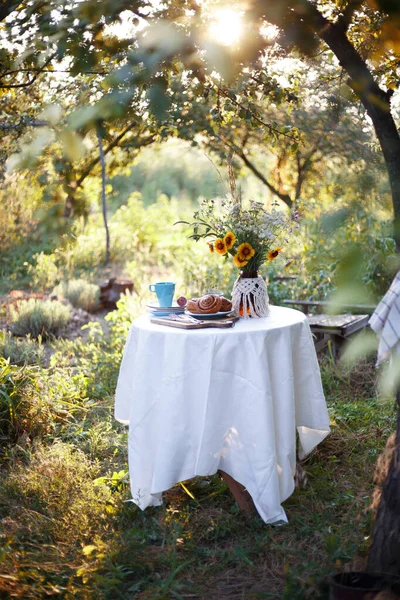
225 304
192 305
209 304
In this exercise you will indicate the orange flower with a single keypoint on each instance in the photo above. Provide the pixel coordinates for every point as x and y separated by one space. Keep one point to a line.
220 246
238 260
246 251
229 239
273 253
210 246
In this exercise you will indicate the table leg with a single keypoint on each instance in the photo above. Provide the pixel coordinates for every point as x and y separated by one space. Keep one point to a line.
337 345
239 492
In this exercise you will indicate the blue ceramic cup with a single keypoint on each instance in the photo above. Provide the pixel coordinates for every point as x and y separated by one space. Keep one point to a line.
165 292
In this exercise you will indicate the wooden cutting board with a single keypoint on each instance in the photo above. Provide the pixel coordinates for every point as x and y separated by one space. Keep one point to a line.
182 324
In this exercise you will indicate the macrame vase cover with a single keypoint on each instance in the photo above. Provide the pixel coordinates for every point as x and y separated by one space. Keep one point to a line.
250 297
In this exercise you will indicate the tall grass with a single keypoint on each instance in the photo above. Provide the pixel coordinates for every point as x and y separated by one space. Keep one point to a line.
21 351
39 318
80 293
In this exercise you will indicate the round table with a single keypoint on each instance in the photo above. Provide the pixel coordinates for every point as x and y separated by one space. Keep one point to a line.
204 400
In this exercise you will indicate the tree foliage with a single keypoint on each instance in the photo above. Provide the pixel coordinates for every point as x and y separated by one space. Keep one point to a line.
166 77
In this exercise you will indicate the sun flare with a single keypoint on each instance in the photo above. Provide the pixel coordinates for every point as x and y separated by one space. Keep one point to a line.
226 26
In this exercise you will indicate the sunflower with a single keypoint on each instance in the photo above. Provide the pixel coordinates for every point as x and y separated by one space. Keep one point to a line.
210 246
246 251
220 246
239 262
229 239
273 253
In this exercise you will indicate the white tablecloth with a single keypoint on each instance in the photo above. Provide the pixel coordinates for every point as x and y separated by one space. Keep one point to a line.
230 399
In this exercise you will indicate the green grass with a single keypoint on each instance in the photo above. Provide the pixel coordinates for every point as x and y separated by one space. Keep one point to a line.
67 530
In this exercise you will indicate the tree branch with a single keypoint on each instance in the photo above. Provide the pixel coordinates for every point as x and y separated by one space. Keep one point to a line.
7 7
254 116
96 160
344 19
9 126
28 83
300 176
7 73
303 168
113 144
284 197
239 151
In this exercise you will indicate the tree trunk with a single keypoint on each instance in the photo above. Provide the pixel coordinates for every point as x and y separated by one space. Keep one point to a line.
375 100
103 194
6 8
69 206
384 556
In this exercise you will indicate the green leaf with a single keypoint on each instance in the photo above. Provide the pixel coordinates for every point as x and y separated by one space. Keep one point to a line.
89 549
73 145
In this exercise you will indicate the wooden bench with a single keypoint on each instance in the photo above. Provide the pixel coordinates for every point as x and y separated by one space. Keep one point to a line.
320 305
333 329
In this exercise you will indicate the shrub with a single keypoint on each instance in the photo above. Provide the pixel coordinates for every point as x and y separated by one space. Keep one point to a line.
40 402
80 293
37 317
21 409
45 271
129 307
21 352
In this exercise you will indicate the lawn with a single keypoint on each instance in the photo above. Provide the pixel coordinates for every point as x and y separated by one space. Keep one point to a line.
68 530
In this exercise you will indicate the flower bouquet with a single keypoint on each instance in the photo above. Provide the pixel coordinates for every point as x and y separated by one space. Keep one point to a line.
251 236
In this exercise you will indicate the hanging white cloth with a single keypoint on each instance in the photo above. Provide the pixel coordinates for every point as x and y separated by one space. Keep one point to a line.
385 321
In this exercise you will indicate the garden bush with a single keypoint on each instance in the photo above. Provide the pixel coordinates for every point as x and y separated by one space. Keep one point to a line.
49 403
80 293
20 352
45 271
36 317
145 245
22 410
335 244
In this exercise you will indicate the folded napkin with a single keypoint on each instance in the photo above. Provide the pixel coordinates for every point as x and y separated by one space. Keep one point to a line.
385 321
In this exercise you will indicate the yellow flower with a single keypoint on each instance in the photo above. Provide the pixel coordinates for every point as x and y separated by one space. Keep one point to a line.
239 262
246 251
273 253
229 239
210 246
220 246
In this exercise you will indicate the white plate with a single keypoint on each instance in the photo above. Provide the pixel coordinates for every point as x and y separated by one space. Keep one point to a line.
165 313
154 306
216 315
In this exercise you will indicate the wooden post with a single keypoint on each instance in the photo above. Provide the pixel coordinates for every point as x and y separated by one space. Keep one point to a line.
239 492
111 290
